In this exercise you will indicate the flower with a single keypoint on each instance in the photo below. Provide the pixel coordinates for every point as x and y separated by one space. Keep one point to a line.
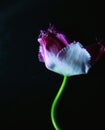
64 58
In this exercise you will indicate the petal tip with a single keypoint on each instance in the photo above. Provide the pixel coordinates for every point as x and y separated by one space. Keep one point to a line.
51 28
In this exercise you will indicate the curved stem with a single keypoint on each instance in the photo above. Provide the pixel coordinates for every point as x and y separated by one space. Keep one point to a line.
56 99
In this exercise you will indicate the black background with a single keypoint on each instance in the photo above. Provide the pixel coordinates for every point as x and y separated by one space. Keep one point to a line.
27 88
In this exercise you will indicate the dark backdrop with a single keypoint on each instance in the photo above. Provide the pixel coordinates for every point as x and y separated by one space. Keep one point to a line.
27 88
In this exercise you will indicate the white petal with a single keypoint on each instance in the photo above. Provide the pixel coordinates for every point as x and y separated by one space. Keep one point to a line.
71 60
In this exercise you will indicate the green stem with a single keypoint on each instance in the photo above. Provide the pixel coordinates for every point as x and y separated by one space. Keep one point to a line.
56 99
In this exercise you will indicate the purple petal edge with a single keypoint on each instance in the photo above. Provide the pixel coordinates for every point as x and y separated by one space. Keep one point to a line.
96 51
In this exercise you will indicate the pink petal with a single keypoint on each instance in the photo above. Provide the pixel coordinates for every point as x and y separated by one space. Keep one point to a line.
62 38
50 41
40 54
58 35
96 51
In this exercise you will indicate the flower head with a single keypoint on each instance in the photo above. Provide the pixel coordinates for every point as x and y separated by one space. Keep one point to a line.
64 58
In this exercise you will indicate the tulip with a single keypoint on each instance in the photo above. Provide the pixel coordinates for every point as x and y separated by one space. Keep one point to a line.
66 59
